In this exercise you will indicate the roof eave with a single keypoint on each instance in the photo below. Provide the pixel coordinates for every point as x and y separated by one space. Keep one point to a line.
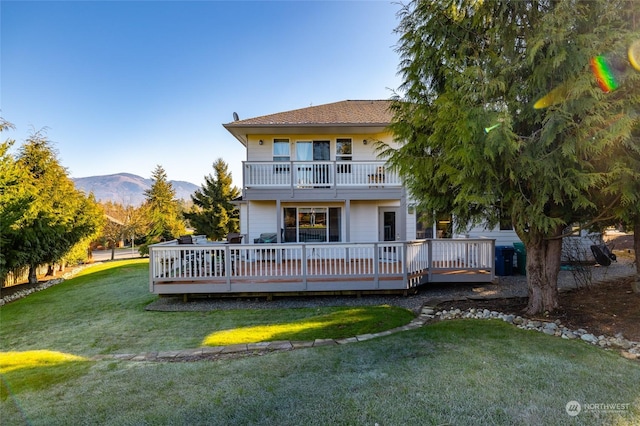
241 131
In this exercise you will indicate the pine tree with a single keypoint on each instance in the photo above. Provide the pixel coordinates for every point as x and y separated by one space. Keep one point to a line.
59 215
16 196
475 147
213 213
163 214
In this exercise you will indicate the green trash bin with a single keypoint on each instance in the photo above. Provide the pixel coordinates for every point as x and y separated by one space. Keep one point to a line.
521 258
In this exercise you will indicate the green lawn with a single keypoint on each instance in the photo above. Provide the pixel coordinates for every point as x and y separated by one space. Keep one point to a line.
101 311
456 372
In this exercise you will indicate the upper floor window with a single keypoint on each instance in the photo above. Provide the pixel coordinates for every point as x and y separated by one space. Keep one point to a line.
281 150
343 153
343 149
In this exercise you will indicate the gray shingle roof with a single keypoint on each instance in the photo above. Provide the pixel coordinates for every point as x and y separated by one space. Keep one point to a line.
363 112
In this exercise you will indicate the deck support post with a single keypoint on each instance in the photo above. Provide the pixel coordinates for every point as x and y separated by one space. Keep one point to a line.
405 269
429 259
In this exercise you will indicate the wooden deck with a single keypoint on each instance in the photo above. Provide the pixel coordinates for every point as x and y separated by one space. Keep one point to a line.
213 268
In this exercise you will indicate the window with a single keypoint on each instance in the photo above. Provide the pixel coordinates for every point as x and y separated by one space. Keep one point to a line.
344 153
312 224
281 152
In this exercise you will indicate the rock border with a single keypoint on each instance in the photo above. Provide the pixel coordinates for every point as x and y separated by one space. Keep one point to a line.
44 284
428 315
630 349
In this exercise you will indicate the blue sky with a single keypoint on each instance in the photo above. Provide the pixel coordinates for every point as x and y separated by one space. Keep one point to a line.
124 86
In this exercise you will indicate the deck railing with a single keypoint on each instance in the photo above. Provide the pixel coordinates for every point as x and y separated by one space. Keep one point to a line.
314 174
297 267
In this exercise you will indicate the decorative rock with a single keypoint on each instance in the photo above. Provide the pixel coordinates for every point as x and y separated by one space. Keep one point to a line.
23 293
555 328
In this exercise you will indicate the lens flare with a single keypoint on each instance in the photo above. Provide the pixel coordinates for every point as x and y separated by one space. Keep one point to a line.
634 55
604 75
488 129
555 96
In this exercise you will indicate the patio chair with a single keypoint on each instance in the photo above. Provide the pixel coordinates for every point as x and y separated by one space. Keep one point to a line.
234 238
185 239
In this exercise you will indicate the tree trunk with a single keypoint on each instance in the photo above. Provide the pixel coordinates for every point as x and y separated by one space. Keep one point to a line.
635 284
113 251
33 274
543 266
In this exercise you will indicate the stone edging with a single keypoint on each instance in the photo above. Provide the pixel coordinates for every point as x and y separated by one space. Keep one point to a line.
629 349
44 285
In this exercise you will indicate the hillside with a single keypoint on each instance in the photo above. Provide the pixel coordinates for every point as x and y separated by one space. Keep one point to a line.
126 188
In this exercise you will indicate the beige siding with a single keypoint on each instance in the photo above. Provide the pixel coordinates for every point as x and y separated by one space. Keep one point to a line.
365 219
410 223
244 224
261 218
503 238
361 152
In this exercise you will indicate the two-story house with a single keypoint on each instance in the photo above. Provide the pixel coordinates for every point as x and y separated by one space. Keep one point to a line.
320 212
312 175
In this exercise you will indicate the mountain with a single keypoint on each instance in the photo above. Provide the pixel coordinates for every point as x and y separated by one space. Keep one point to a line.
127 189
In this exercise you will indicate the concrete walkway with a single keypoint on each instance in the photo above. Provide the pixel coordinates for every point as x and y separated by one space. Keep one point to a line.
261 348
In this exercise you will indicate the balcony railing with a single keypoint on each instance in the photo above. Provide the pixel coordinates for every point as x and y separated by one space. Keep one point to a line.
207 267
318 174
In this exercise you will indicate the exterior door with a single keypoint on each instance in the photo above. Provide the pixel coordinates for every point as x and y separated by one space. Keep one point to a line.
389 230
321 152
304 172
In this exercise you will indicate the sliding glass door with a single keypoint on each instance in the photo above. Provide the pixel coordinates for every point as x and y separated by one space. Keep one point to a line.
312 224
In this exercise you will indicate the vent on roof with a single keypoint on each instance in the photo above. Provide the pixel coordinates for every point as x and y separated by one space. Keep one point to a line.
235 116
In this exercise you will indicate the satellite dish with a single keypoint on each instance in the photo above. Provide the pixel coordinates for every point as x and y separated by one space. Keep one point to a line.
235 116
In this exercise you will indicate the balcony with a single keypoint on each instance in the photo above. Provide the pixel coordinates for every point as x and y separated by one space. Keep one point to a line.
318 174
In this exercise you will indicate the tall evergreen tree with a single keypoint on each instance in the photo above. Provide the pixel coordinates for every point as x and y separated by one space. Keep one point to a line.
474 145
59 216
213 213
16 196
163 213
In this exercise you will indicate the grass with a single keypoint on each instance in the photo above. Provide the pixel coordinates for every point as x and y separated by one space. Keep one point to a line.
456 372
336 324
101 311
